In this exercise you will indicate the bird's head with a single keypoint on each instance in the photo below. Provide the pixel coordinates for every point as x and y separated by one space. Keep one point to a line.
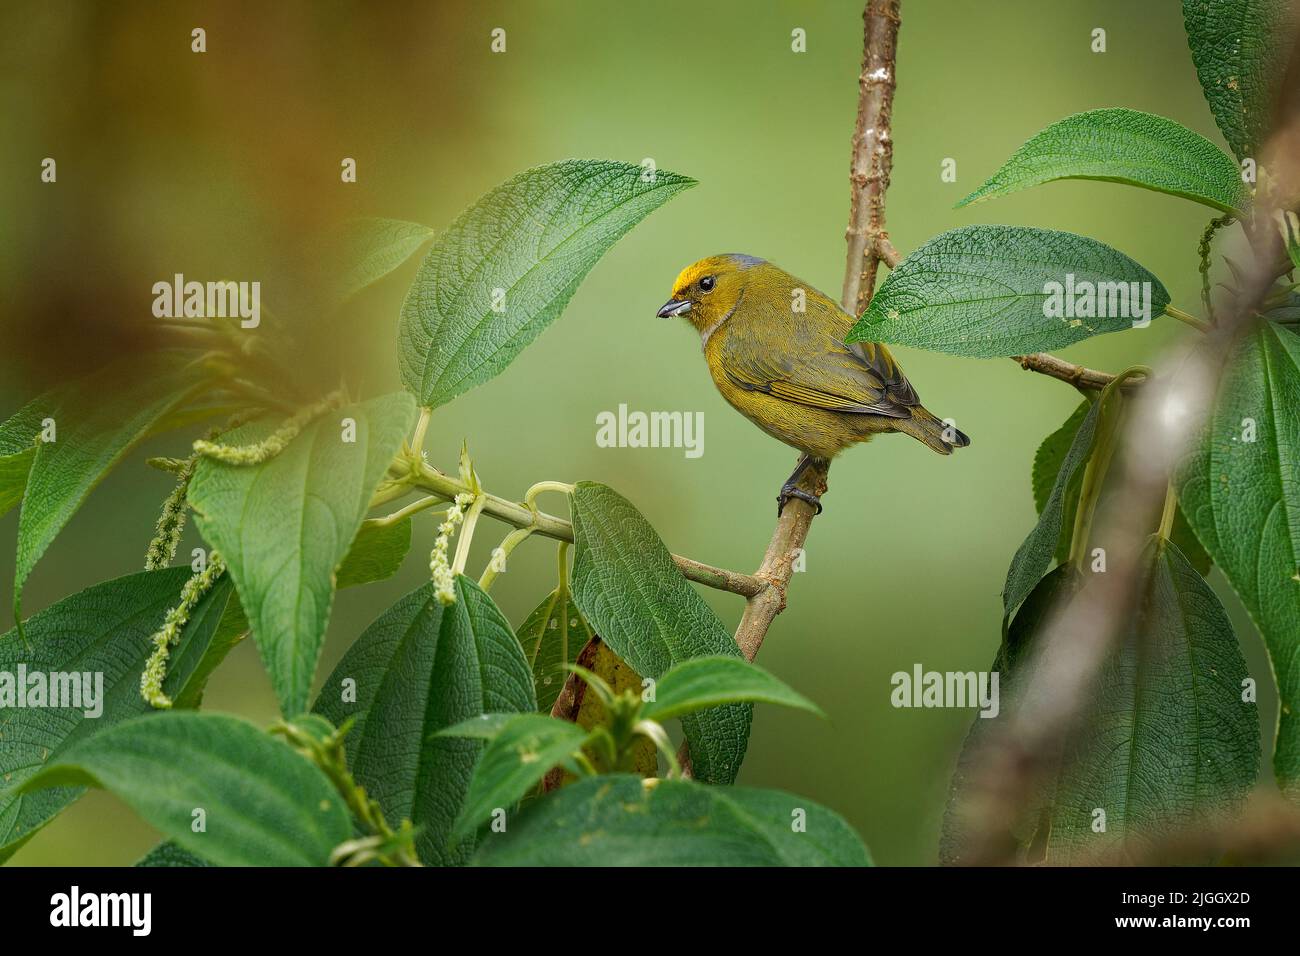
708 290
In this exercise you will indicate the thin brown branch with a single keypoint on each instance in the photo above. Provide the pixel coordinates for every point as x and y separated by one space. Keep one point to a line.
1084 379
869 175
887 253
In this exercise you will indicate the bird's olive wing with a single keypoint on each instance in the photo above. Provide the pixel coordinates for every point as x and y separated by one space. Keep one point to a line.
818 370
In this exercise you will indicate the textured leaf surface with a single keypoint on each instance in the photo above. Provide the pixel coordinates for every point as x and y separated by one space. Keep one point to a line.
704 682
169 854
1168 736
615 821
552 635
1171 737
1240 50
634 596
285 525
264 804
98 421
515 760
1123 146
105 629
982 291
527 245
1040 547
1243 500
418 669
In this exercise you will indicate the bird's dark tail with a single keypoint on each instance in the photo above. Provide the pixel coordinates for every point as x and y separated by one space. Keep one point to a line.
942 436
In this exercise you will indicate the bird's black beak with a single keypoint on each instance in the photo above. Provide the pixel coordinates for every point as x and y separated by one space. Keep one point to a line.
674 307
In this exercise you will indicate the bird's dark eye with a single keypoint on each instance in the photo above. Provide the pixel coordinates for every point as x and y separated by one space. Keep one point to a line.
707 283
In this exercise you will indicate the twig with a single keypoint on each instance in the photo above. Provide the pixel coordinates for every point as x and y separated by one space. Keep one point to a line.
549 526
1084 379
869 175
867 245
873 154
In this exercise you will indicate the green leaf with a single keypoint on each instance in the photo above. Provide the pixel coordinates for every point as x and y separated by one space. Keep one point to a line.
168 853
1242 498
1167 737
987 291
18 437
552 635
376 553
1240 48
14 470
704 682
98 421
284 526
1123 146
418 669
524 247
616 821
106 629
264 804
1171 737
519 755
1047 465
370 248
1038 549
634 596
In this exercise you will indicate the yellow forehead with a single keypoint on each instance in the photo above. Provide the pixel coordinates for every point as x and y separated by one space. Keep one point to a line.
712 266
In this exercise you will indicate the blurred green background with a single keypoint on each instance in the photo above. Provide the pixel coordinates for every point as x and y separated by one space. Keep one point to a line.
226 164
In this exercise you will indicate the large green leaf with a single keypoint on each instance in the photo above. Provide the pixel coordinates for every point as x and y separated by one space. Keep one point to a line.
520 752
987 291
106 629
98 421
1243 500
507 267
418 669
1123 146
263 804
285 525
704 682
617 821
552 635
1171 736
1036 552
369 249
627 586
1240 48
1167 736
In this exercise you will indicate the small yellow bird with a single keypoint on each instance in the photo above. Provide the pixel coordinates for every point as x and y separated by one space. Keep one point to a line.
775 348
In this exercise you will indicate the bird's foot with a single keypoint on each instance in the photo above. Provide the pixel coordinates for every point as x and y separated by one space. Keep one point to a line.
790 490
